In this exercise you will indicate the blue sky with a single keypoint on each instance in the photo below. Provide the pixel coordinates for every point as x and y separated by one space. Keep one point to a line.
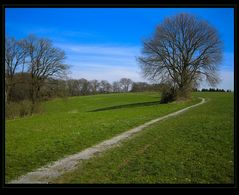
102 43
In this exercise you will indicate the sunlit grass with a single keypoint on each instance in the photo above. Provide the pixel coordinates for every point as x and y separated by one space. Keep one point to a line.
195 147
70 125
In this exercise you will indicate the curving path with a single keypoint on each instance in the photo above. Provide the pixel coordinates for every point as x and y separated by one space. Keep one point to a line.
57 168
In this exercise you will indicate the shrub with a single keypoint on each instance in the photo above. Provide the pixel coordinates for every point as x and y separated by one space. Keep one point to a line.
36 108
24 108
12 110
168 94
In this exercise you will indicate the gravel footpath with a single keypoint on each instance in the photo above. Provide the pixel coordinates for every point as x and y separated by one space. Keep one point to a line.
53 170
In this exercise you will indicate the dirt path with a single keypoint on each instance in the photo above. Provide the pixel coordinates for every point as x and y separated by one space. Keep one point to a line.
57 168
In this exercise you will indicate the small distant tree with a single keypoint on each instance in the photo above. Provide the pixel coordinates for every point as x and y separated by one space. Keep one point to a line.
116 86
83 86
140 86
72 86
182 52
126 84
94 86
105 86
195 89
212 89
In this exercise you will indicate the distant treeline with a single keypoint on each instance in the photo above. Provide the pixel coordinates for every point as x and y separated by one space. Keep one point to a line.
215 90
51 88
20 104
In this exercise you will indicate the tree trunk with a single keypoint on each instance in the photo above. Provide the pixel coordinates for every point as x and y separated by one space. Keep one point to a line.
184 90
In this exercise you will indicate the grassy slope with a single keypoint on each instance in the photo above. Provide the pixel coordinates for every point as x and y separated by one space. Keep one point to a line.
196 147
67 127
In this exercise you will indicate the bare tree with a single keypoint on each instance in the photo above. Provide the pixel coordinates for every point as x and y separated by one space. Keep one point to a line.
15 56
116 86
94 86
72 86
126 84
183 51
105 86
140 86
83 86
44 61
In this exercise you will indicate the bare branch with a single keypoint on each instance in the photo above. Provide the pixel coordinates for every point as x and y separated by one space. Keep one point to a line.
182 48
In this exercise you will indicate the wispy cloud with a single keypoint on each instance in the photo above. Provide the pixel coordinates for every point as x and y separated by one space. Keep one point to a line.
99 50
56 34
110 62
105 72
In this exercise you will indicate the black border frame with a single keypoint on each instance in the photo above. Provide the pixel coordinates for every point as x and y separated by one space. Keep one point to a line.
162 4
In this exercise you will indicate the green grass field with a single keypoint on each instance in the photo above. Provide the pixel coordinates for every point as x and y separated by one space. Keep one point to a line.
69 126
195 147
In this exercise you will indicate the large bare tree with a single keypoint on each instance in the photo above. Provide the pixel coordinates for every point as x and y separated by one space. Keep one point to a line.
44 61
183 51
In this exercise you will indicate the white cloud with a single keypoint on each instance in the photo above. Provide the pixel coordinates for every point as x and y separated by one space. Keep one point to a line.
99 50
102 62
106 72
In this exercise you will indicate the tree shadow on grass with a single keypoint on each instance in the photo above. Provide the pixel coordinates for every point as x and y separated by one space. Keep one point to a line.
134 105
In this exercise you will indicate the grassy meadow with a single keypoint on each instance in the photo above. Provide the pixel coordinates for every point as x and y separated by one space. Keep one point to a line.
195 147
67 126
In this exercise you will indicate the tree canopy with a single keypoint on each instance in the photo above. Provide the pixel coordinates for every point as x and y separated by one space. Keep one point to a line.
183 51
